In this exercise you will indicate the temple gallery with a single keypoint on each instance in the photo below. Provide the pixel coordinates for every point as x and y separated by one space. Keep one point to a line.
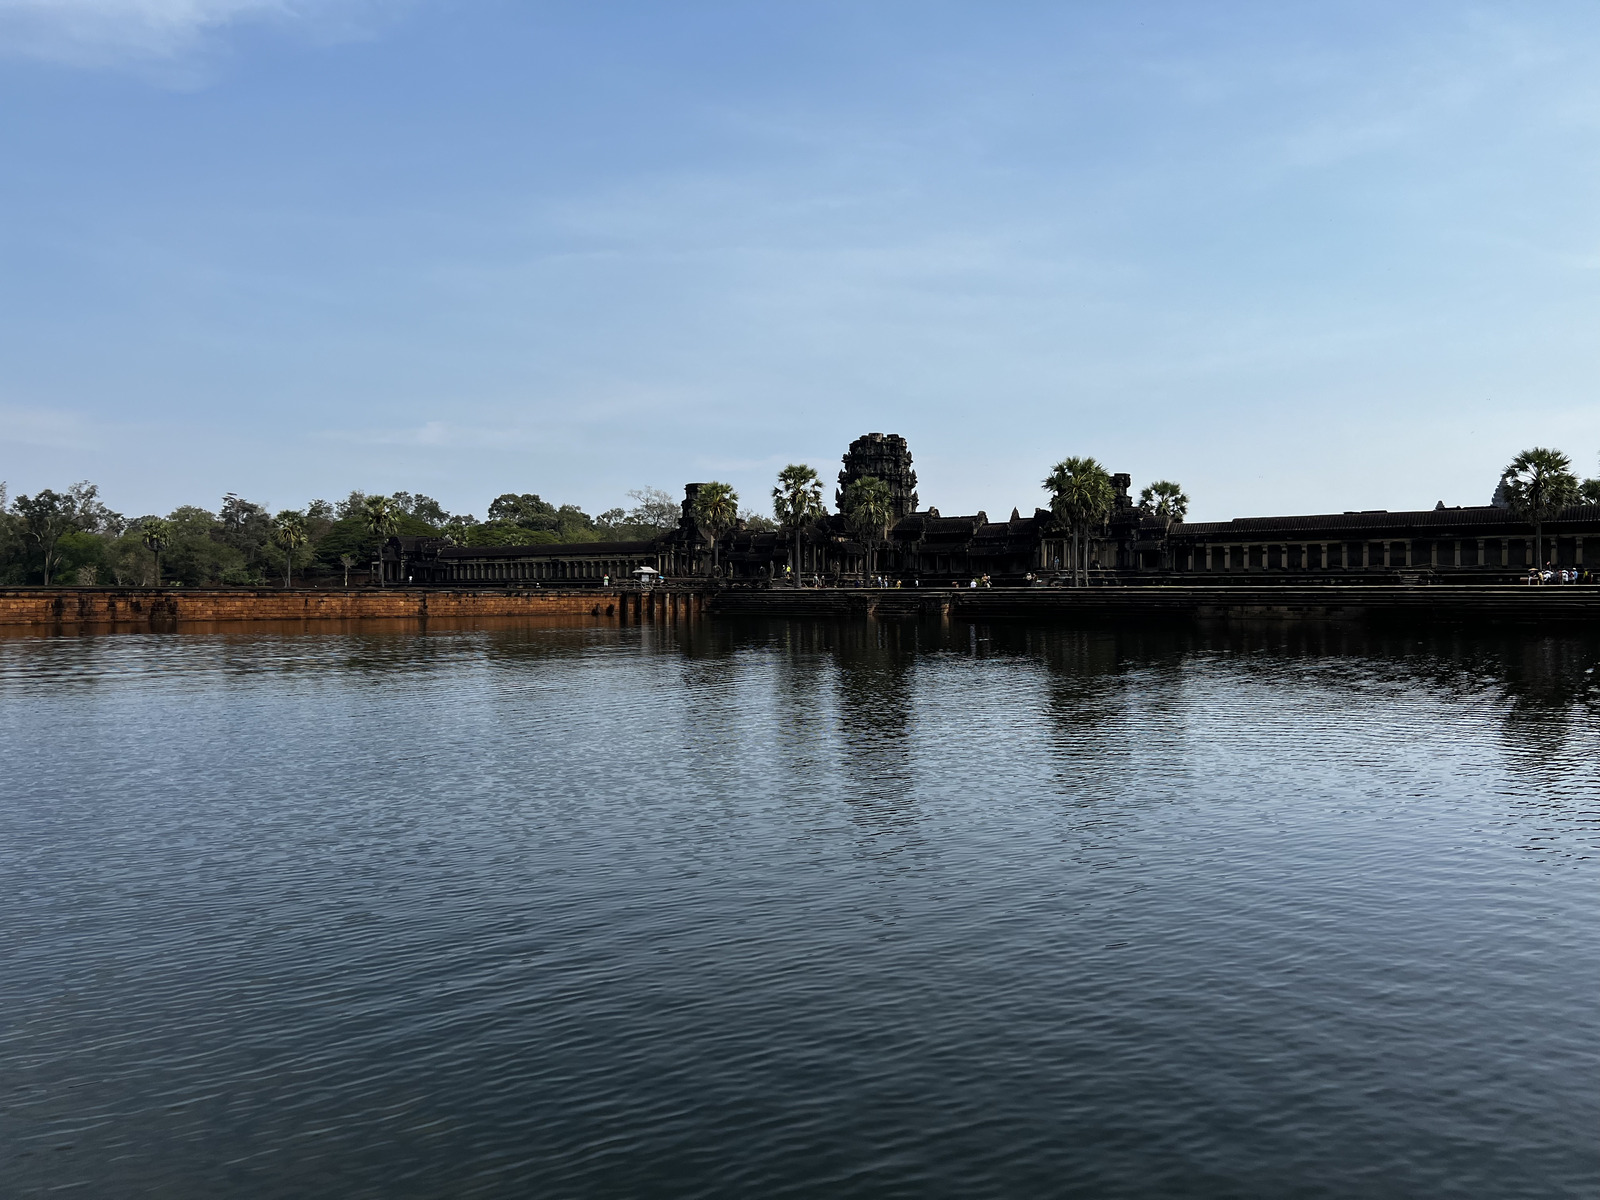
1128 542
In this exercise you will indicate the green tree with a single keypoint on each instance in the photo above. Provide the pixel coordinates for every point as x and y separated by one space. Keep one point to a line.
527 510
198 554
289 534
48 515
378 515
246 527
422 508
1538 484
1588 492
128 560
575 525
501 533
868 508
797 502
1081 494
1165 501
716 507
155 534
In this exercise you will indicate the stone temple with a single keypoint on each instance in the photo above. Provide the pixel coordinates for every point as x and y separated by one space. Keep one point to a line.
885 457
1129 546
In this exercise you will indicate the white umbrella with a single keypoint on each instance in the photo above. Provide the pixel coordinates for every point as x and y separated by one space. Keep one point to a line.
645 571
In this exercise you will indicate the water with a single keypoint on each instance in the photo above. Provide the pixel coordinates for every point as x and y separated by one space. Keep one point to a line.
799 910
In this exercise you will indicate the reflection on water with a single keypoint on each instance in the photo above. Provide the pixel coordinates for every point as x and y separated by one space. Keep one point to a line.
832 909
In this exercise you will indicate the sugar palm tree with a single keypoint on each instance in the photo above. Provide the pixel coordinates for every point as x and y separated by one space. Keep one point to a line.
1538 484
1588 491
1080 497
289 534
716 506
868 507
378 515
797 501
155 533
1165 501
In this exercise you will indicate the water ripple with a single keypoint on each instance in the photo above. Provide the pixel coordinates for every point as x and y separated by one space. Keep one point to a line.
799 910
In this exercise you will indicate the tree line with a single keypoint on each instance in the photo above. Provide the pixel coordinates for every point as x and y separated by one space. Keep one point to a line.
71 537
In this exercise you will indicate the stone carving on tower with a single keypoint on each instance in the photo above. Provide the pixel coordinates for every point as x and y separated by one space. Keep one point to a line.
885 457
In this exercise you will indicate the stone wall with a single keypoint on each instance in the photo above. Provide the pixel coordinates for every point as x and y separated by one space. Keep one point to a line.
53 606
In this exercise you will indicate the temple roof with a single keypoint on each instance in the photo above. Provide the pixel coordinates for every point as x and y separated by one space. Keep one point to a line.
550 550
1376 519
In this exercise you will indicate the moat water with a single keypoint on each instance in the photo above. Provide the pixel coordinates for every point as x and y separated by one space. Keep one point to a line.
799 910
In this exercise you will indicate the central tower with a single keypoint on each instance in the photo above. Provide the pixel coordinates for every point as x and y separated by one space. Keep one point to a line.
885 457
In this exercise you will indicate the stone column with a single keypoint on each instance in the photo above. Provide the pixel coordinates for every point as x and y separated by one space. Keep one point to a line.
1577 551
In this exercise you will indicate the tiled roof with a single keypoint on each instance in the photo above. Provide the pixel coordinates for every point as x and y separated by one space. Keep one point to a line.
552 550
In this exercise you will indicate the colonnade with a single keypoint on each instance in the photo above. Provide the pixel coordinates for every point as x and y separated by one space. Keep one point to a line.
1250 555
512 570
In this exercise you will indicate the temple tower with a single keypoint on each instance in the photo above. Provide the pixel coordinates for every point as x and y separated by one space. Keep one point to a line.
885 457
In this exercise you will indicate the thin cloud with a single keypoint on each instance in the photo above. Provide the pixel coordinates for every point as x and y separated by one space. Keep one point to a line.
96 33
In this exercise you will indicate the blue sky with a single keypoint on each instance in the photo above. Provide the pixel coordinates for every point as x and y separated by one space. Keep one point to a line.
1297 257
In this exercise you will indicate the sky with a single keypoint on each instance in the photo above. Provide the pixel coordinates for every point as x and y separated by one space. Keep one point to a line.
1299 258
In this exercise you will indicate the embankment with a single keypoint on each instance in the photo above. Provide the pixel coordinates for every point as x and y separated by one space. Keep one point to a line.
164 606
1430 603
159 607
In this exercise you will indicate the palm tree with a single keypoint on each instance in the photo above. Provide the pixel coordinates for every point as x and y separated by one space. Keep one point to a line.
289 534
716 506
1588 491
1080 496
1165 501
1538 484
868 506
377 513
155 534
796 501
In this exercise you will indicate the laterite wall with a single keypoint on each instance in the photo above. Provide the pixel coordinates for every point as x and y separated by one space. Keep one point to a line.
41 606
